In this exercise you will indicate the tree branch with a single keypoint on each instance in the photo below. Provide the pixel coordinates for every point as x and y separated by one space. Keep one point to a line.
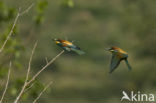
27 83
51 61
27 89
26 10
6 86
27 75
45 88
14 23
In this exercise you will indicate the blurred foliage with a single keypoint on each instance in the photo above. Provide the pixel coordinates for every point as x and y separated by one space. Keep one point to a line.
14 48
6 13
94 26
67 3
41 6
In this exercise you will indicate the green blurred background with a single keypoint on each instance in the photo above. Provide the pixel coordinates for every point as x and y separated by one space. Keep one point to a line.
93 25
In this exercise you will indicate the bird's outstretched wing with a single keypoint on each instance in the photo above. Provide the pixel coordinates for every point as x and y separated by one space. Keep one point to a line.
76 49
69 46
115 61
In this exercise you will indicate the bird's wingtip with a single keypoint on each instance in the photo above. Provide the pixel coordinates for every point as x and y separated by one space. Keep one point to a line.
81 52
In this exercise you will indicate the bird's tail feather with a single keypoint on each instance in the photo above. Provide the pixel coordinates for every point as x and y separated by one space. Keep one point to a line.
128 65
80 52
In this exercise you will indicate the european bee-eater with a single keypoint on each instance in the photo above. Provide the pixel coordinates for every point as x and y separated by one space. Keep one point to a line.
68 46
117 56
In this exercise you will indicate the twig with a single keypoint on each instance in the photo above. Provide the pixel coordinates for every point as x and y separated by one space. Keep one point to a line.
29 65
27 89
26 83
51 61
25 11
46 59
6 86
10 33
45 88
27 75
14 23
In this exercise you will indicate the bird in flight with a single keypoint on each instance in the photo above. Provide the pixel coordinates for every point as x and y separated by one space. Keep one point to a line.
68 46
117 56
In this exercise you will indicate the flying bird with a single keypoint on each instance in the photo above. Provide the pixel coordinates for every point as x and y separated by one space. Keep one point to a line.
68 46
117 56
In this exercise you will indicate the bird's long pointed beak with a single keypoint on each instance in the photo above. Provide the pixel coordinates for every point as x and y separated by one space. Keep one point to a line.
54 39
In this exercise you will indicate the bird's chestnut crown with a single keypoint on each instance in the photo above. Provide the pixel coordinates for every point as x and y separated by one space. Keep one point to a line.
113 49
